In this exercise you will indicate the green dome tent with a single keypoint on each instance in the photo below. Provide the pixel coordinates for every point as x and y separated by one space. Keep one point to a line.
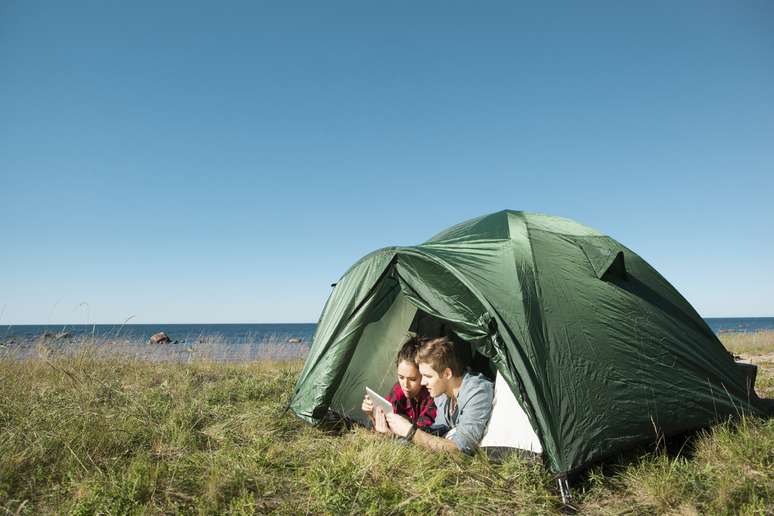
593 350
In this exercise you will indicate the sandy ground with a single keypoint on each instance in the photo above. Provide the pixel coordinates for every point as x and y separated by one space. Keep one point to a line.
764 384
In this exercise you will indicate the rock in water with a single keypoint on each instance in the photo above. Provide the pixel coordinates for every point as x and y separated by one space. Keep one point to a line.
160 338
58 335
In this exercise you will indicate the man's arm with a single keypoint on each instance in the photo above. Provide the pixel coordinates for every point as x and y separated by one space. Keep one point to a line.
401 426
434 443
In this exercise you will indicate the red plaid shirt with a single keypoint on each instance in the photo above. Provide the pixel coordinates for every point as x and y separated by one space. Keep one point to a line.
420 411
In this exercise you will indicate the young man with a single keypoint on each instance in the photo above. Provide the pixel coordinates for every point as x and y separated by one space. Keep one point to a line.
463 401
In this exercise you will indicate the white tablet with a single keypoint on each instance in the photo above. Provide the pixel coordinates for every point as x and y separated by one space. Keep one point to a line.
379 401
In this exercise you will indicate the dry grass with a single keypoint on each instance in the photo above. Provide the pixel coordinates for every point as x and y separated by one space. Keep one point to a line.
749 343
756 348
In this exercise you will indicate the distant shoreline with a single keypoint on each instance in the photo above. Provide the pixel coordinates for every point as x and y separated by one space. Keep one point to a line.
258 332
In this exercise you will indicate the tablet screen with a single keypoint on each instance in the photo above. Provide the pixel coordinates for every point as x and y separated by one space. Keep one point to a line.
385 405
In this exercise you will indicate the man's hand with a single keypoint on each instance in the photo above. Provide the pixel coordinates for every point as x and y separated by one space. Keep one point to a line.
399 425
380 424
367 406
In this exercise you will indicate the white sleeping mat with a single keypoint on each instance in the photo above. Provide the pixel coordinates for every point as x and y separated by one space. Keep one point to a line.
509 426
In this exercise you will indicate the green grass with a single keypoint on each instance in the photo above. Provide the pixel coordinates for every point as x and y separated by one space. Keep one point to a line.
94 435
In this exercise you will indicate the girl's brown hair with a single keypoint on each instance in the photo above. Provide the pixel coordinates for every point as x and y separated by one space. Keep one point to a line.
409 350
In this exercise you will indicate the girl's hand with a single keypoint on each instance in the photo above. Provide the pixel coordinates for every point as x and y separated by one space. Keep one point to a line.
368 405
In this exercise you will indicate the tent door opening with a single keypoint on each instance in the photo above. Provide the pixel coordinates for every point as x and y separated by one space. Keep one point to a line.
393 319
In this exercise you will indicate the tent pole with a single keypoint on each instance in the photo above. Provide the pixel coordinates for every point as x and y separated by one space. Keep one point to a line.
564 489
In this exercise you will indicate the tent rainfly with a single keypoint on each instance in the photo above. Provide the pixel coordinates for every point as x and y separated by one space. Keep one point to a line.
593 351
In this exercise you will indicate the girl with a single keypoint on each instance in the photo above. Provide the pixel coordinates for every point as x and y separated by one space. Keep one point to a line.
409 397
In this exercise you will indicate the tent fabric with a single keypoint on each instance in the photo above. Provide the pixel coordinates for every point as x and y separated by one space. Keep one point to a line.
598 349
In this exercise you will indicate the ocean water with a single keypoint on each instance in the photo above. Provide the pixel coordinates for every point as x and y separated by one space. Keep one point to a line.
221 342
183 333
225 342
739 324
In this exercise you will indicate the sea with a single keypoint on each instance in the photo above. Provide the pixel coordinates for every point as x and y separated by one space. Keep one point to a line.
221 342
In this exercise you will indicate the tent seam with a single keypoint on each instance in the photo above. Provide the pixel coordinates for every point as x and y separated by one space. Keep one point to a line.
543 328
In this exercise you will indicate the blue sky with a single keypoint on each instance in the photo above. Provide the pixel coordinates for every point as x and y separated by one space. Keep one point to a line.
226 162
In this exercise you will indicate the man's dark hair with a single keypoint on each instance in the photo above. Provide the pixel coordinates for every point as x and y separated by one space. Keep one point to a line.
440 353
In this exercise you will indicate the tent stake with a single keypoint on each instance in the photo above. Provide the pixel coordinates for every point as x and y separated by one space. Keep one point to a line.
564 489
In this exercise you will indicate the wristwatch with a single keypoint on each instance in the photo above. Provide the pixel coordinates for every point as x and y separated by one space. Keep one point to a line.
410 434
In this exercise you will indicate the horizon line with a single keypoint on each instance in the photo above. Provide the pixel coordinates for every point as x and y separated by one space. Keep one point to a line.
249 323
